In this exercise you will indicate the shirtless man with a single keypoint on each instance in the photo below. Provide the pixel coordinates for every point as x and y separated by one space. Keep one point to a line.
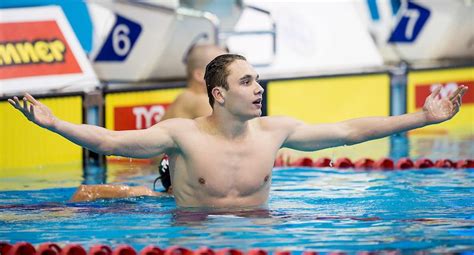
225 160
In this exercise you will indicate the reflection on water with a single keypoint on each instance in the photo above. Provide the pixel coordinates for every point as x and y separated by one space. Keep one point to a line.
193 217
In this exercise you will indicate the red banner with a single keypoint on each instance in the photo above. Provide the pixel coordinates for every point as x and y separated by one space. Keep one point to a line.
139 116
34 48
424 90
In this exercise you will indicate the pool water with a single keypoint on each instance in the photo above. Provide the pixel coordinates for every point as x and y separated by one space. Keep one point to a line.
323 210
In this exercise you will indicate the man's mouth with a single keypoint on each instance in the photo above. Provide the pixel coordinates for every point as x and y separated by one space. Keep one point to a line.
258 101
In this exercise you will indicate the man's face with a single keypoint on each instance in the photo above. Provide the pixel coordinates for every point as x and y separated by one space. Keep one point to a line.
244 97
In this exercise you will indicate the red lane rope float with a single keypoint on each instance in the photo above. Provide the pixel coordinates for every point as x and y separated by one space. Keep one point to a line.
257 252
54 249
343 163
73 249
384 163
178 250
322 162
423 163
364 163
152 250
465 163
380 164
100 249
405 163
22 248
4 248
204 251
124 250
282 253
48 249
444 163
302 162
228 251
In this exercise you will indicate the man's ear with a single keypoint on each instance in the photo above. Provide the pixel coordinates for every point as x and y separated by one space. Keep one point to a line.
219 94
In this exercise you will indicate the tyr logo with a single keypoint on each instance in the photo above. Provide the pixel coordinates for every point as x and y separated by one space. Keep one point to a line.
138 116
145 118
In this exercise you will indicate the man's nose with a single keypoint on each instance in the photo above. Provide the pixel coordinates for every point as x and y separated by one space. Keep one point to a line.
259 89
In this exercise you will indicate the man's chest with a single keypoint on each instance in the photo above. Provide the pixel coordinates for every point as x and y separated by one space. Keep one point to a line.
232 153
224 166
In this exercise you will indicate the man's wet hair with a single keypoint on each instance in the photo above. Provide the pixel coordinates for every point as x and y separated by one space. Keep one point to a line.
217 73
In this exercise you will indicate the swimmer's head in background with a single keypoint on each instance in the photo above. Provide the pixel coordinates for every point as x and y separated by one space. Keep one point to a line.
199 55
164 171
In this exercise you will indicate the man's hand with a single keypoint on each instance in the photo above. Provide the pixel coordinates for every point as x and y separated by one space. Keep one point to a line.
36 112
437 109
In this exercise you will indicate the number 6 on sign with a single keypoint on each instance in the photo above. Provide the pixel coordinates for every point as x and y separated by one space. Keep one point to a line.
120 41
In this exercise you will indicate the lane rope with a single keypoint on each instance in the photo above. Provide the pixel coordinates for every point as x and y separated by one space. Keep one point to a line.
25 248
373 164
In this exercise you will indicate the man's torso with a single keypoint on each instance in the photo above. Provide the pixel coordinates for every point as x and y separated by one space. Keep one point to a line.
213 171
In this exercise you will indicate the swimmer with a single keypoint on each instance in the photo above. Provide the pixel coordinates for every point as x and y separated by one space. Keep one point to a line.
225 160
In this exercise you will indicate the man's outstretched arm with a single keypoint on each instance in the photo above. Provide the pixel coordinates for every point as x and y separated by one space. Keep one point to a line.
137 143
314 137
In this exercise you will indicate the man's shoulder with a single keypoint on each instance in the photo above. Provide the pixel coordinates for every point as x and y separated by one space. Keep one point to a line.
191 102
190 95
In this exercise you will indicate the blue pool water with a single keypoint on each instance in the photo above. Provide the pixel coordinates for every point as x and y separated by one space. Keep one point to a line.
309 209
